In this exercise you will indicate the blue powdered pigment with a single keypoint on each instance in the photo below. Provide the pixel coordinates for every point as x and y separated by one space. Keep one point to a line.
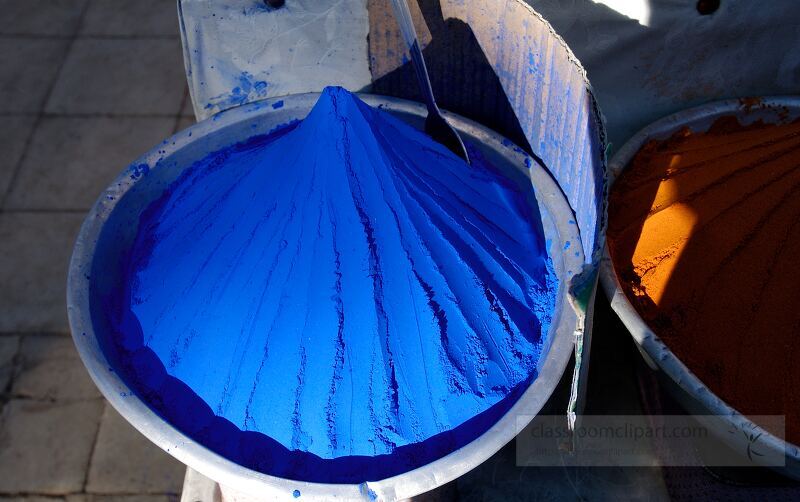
339 301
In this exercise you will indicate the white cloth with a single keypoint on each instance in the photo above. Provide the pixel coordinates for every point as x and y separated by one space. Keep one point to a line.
236 51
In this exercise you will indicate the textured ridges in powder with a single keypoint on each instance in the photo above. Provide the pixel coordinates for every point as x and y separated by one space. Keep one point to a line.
347 289
704 233
331 411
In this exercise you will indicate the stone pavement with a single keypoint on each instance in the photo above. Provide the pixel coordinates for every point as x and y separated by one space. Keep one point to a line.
85 87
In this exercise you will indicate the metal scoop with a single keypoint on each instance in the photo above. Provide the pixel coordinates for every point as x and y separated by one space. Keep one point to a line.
435 124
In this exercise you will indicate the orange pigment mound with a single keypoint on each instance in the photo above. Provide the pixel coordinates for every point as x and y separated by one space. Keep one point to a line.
704 233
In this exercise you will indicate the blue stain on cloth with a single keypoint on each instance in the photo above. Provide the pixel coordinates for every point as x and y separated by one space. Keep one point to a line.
341 300
248 89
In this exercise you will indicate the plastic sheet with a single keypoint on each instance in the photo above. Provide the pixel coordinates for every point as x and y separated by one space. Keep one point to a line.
667 57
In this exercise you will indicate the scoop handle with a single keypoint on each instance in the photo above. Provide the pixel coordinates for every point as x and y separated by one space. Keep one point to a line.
404 20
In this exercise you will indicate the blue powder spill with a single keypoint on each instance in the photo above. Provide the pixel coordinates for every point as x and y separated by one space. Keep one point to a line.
341 300
248 89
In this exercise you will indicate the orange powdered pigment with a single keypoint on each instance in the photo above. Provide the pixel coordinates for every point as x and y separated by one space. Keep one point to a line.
704 232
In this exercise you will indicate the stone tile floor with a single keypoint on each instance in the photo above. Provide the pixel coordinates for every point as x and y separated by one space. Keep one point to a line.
85 87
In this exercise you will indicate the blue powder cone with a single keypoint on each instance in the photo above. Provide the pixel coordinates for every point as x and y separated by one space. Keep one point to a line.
341 288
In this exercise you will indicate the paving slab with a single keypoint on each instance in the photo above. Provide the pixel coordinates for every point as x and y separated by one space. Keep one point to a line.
142 468
188 108
45 447
138 18
36 248
49 368
184 122
29 68
131 76
14 134
57 173
31 498
9 346
40 17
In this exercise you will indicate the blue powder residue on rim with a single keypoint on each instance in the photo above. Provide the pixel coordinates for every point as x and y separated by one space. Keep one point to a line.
341 300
